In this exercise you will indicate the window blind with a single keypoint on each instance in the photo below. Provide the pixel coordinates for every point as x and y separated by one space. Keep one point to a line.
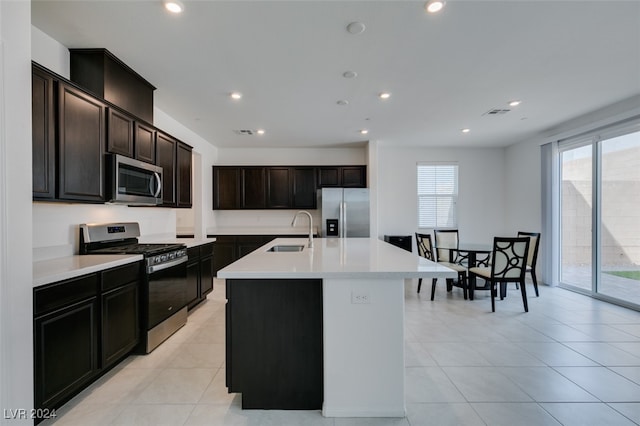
437 195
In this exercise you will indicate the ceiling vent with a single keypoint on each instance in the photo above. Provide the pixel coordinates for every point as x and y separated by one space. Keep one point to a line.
496 111
244 132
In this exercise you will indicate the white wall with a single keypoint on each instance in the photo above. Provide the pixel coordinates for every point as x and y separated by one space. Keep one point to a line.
523 188
481 191
16 315
55 225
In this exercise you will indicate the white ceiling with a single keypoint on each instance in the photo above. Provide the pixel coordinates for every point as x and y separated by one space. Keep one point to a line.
561 58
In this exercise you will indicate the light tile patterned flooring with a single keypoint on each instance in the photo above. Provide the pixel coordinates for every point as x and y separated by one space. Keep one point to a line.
571 360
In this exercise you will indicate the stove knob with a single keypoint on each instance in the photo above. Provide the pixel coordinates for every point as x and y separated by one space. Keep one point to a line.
157 259
172 256
163 257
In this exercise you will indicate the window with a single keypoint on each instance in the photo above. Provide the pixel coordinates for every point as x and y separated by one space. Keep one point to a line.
437 195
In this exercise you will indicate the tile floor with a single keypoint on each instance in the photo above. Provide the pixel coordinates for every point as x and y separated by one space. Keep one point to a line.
571 360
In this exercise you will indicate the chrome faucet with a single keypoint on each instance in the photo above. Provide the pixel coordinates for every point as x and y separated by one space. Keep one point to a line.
293 223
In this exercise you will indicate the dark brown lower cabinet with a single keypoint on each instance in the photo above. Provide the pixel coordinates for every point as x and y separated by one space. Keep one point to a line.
120 329
274 343
66 352
82 327
199 273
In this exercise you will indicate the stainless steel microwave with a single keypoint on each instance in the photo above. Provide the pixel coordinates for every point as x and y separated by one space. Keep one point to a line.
133 182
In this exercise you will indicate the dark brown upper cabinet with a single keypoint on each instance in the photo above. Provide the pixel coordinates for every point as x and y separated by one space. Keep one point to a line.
119 132
166 158
226 188
253 194
278 187
81 130
145 142
183 175
304 188
342 176
103 74
43 134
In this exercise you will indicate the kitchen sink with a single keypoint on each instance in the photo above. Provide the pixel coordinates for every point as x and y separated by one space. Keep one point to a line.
288 248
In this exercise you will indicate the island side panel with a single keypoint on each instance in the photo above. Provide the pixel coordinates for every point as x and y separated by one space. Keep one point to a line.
363 347
274 342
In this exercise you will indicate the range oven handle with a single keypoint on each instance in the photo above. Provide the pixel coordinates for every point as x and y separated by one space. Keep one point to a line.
162 266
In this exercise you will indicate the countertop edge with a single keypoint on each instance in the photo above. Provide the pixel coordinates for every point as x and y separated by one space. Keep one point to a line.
66 268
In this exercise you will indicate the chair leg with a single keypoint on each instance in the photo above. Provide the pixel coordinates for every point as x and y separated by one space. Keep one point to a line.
524 297
420 284
503 290
493 297
535 281
462 277
433 287
449 284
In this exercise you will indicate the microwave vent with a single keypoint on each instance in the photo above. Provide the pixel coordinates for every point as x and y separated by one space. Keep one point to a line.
496 111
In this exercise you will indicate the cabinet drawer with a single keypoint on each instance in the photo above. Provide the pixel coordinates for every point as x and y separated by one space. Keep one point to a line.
64 293
206 249
193 253
119 276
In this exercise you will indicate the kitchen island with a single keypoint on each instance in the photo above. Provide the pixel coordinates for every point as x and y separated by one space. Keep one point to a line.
322 327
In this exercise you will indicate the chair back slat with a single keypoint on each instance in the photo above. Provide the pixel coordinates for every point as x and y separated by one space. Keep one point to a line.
509 258
425 248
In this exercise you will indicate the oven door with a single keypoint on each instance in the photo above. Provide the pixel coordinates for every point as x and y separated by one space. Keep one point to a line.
167 290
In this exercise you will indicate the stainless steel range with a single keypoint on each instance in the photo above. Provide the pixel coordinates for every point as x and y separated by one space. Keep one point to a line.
163 293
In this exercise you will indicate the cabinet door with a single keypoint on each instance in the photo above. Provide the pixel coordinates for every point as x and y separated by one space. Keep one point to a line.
254 189
183 183
328 177
354 177
120 329
224 252
65 352
120 133
226 188
193 282
166 158
145 143
278 187
304 188
43 134
81 141
206 275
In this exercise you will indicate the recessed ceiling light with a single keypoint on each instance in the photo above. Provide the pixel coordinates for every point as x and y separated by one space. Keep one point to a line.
364 131
466 130
260 131
434 6
174 6
356 27
236 95
384 95
515 103
343 102
349 74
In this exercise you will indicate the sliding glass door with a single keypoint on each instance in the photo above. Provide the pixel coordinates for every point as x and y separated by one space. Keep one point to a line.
600 215
620 218
576 217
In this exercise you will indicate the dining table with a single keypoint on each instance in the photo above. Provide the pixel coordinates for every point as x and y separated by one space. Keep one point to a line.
475 254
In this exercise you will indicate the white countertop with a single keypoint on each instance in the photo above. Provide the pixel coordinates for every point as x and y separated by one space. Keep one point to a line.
261 230
64 268
335 258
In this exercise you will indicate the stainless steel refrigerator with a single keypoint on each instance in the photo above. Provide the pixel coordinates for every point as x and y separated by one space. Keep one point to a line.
345 212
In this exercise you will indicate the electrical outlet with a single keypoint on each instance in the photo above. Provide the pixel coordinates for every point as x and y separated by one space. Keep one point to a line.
360 298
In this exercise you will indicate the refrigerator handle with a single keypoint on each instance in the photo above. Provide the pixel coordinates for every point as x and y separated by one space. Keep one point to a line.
343 206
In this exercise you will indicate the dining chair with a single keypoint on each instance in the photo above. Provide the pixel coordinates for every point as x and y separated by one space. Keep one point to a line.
509 264
447 255
425 249
532 255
